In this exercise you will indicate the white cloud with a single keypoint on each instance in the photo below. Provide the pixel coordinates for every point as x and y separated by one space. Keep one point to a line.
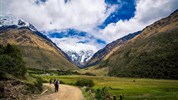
86 15
56 14
74 45
147 12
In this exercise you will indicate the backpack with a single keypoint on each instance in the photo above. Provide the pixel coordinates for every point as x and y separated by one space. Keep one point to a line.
56 82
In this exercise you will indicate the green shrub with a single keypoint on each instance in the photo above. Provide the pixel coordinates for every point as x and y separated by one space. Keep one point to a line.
11 61
39 84
36 87
85 82
62 82
102 94
89 74
1 90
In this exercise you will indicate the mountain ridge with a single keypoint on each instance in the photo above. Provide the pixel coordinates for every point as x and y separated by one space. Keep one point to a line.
38 50
102 53
152 53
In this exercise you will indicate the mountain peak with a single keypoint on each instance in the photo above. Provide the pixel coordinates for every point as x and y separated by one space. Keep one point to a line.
10 20
38 50
80 58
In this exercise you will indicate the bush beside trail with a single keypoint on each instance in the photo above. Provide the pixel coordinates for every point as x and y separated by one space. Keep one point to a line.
84 82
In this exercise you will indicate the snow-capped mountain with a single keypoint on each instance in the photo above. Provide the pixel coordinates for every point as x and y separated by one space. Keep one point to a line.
28 38
80 58
13 22
78 45
9 21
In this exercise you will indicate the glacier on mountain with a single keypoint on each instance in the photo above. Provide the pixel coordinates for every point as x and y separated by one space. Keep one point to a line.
80 58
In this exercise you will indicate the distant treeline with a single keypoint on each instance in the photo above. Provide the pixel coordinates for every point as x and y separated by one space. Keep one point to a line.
57 72
47 71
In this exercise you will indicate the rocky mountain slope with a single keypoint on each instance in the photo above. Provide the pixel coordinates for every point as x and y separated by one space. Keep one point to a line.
108 49
38 50
153 53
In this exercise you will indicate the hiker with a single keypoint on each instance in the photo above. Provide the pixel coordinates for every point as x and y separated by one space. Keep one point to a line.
56 84
50 81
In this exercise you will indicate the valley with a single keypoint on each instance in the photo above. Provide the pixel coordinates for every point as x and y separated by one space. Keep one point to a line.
106 59
130 88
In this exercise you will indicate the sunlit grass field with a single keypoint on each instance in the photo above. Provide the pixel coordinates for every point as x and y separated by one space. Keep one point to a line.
129 88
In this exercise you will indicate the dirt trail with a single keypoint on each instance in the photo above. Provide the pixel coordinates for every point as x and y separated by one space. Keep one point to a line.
66 92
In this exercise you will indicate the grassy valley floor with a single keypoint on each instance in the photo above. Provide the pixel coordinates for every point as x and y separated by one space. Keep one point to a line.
130 88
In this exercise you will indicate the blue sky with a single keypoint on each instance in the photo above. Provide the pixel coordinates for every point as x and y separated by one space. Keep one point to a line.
72 33
88 24
124 11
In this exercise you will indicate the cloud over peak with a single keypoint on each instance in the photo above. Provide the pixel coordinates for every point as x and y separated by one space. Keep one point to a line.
74 40
59 14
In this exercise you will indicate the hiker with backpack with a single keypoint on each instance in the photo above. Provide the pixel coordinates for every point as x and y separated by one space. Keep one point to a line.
56 84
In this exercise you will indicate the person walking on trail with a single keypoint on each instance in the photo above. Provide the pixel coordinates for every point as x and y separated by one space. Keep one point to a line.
56 84
50 81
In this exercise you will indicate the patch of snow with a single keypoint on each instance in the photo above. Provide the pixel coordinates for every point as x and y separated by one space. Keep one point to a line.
10 20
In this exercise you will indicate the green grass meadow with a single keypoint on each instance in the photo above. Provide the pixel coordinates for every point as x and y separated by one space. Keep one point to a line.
129 88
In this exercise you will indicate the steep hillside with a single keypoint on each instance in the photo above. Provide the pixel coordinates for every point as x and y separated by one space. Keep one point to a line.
37 51
153 53
108 49
15 81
